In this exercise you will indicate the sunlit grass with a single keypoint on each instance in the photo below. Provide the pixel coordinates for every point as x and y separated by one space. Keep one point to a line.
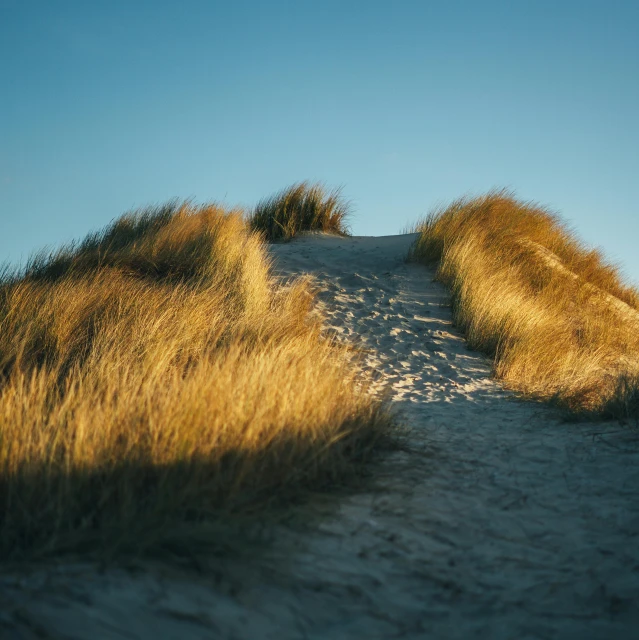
156 373
301 207
558 320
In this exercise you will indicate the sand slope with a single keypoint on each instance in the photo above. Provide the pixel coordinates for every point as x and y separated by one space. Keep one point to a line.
498 521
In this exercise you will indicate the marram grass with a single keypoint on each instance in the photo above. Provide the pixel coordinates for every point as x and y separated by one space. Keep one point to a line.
155 374
301 207
558 320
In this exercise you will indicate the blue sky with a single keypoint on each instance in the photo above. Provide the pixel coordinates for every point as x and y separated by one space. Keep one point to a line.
107 106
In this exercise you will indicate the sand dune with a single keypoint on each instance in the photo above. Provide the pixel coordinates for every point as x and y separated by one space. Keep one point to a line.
498 520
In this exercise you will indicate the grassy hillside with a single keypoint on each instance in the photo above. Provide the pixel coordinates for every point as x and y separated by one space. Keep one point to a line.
558 320
154 373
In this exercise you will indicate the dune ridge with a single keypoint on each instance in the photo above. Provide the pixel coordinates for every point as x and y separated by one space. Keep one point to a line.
557 319
155 376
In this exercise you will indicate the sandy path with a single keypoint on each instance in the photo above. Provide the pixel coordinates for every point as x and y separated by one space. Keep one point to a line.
501 522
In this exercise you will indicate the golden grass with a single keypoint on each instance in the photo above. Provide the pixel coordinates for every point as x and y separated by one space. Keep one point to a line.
154 374
558 320
301 207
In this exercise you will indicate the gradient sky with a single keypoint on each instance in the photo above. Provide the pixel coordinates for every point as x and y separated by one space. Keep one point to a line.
107 106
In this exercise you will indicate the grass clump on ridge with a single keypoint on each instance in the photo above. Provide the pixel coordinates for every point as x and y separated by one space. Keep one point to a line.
558 320
301 207
156 373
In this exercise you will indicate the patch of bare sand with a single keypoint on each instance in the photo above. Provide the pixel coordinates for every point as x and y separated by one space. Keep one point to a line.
498 521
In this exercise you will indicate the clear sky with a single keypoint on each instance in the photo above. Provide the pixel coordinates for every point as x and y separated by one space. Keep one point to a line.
107 106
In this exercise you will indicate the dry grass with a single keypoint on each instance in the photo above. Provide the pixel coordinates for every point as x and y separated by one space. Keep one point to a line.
558 320
301 207
155 374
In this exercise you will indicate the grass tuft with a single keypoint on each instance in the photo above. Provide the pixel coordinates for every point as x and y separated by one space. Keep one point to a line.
301 207
155 374
558 320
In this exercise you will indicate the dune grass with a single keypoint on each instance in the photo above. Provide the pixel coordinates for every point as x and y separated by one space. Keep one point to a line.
155 376
558 320
301 207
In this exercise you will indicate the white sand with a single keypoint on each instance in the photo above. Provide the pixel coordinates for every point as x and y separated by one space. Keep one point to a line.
500 522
